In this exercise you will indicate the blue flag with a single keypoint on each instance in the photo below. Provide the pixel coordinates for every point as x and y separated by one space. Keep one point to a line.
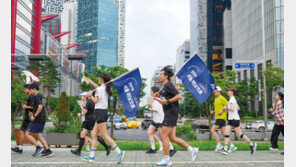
129 88
197 79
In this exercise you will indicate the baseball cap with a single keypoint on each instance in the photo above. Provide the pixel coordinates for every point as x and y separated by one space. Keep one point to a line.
218 88
83 94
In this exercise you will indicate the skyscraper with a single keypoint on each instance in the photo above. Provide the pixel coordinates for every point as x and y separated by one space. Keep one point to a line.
121 33
52 6
97 31
206 26
183 54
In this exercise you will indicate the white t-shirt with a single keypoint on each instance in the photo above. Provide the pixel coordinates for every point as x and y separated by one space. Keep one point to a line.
103 98
233 114
159 115
83 117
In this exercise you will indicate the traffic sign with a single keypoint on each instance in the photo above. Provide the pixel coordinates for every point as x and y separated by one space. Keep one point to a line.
244 65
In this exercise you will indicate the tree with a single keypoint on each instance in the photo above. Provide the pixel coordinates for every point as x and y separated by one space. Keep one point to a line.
62 114
274 77
18 95
114 72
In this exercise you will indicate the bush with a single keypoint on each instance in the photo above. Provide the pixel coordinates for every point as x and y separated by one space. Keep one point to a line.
185 129
252 114
247 118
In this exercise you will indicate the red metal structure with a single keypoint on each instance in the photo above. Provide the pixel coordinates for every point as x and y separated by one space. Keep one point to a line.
58 35
68 46
37 9
13 29
46 18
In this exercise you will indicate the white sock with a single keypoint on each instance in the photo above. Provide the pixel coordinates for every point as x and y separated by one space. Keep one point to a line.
152 145
218 144
92 152
190 149
87 147
225 147
160 143
231 145
251 143
116 148
20 147
166 157
171 146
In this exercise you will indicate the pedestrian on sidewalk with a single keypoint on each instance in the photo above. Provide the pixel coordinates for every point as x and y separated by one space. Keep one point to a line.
278 111
221 118
234 122
28 107
170 96
37 123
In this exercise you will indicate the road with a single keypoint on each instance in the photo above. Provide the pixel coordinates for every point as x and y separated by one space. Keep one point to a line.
64 158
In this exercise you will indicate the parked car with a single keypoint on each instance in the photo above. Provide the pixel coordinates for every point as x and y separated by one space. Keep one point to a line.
119 124
248 125
258 125
146 123
131 122
202 123
108 123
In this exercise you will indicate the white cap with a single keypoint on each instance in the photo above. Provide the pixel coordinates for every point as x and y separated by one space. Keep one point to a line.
83 94
218 88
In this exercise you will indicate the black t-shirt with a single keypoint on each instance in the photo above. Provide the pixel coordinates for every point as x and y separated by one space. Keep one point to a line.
30 102
169 91
39 101
90 107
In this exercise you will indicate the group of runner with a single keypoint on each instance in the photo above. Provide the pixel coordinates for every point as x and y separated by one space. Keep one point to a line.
165 108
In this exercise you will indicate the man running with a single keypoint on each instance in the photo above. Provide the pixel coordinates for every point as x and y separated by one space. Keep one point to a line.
221 118
158 116
170 97
37 123
28 108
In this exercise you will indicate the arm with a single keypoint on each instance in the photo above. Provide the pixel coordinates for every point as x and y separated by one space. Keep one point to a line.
37 112
231 108
174 99
26 107
91 82
94 99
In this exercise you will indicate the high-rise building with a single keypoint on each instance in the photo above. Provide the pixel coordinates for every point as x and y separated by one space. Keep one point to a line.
52 6
183 54
206 26
155 81
121 33
97 31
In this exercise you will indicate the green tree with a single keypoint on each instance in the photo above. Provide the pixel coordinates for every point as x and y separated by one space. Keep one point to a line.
18 95
274 77
62 114
114 72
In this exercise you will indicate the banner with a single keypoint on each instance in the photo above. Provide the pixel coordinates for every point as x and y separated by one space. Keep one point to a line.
196 77
129 88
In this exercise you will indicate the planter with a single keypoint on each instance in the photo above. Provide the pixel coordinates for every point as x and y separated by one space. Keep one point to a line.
61 138
17 133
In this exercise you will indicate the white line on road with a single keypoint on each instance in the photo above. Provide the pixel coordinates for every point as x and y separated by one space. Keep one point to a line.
177 162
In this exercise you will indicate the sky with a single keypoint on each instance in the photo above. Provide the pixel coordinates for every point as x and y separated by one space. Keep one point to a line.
154 31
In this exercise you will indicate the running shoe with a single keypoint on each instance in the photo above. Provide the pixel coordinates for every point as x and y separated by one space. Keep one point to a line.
151 151
232 149
282 153
173 152
120 156
194 154
47 153
88 158
253 148
85 152
17 150
75 152
165 162
273 149
218 147
160 148
38 151
223 151
108 149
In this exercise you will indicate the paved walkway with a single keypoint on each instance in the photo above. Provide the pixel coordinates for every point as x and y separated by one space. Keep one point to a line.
63 157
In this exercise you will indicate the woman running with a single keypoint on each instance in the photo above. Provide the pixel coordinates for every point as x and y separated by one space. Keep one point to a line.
234 121
101 104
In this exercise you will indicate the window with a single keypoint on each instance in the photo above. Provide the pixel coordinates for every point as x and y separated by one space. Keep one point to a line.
228 67
245 74
239 77
259 70
187 52
252 73
228 53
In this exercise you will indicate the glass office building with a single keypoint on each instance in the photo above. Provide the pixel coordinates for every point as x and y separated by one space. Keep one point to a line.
97 29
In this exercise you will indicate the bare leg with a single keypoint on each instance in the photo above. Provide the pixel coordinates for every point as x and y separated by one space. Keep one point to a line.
94 134
103 131
223 130
177 140
166 130
150 133
214 133
22 137
42 140
227 133
31 138
239 132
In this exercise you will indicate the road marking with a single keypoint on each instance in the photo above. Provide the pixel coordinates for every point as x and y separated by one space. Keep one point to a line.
177 162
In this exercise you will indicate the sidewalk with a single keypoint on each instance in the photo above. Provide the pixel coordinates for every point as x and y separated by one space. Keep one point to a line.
63 157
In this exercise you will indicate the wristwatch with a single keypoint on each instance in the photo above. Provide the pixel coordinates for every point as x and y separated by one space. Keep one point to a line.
168 101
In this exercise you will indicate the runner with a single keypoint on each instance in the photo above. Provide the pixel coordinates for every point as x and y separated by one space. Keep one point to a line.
156 123
221 118
234 122
170 97
28 108
101 105
278 111
37 123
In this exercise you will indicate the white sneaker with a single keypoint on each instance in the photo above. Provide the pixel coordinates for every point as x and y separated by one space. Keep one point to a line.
218 148
165 162
232 149
194 154
273 149
160 148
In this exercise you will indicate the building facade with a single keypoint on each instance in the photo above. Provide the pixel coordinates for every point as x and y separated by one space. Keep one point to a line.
121 33
206 26
97 31
183 54
52 6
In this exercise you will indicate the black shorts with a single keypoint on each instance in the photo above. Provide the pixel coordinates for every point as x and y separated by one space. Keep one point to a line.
170 120
101 115
25 124
88 125
234 123
157 125
220 122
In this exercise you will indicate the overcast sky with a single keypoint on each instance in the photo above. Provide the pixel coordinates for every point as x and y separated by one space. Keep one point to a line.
154 31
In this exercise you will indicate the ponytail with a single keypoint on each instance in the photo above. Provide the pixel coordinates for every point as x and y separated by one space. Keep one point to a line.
282 97
106 78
